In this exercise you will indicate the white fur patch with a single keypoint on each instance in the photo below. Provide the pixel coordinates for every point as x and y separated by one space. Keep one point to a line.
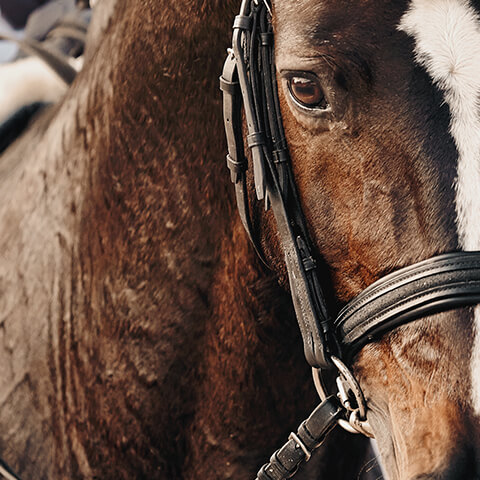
447 45
27 81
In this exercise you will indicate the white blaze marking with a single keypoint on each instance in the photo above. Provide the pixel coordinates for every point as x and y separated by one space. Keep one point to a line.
447 45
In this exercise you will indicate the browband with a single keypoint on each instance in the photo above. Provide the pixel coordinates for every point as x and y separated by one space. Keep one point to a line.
440 283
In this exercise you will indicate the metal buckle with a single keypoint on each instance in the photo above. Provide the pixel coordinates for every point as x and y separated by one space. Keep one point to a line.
347 385
293 436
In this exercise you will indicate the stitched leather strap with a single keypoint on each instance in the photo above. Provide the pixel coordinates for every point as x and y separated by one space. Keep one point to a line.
437 284
236 161
310 435
251 64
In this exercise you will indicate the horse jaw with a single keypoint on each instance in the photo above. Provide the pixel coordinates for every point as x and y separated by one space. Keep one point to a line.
422 421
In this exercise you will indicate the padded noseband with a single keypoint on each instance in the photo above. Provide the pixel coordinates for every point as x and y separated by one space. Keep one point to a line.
438 284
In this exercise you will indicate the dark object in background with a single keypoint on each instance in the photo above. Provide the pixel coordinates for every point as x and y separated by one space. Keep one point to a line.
17 123
56 29
16 12
60 25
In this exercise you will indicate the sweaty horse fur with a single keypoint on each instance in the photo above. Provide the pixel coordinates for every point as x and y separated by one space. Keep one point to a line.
140 337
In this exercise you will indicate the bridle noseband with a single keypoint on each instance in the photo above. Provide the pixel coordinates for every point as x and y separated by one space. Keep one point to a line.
437 284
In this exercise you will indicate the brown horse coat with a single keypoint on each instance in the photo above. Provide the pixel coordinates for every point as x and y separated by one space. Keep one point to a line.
140 337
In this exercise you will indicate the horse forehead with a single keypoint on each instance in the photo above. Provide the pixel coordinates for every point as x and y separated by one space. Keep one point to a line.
306 23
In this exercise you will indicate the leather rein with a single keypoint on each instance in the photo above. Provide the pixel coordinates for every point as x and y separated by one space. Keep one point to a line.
330 341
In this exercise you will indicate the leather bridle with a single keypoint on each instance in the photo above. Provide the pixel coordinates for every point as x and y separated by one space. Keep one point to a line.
330 341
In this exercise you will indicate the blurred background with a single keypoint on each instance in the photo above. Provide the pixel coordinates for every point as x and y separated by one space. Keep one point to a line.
43 56
28 17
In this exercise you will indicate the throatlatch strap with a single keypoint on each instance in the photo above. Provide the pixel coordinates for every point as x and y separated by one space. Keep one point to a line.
437 284
236 161
252 64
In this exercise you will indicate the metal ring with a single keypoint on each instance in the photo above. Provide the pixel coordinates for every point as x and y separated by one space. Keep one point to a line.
7 473
269 9
361 426
354 386
317 380
357 421
352 382
346 425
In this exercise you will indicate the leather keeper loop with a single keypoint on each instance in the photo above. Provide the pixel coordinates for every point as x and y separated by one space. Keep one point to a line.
229 87
309 263
280 156
255 139
267 39
236 166
242 22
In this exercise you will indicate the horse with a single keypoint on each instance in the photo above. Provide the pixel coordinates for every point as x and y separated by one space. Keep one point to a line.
141 335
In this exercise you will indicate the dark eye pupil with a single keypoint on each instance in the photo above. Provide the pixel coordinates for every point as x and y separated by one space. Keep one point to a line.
307 92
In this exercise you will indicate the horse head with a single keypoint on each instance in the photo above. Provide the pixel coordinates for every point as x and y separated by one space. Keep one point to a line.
379 105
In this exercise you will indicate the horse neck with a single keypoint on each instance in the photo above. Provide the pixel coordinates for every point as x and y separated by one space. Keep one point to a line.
174 292
152 346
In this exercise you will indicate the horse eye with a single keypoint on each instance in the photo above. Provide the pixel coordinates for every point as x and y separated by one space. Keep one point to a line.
307 91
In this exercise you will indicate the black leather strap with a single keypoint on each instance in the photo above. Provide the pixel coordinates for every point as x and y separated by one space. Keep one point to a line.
254 67
236 161
310 435
437 284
